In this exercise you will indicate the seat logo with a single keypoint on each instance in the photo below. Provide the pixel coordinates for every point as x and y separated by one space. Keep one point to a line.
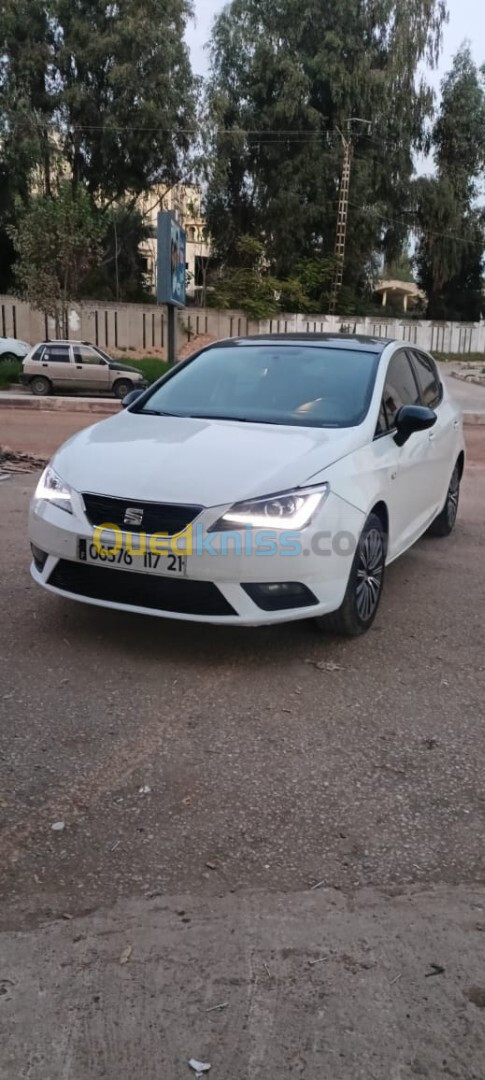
133 516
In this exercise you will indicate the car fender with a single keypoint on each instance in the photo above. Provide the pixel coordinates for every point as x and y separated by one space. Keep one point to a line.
357 480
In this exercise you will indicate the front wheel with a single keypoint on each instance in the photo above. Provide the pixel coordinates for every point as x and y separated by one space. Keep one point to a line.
364 589
122 388
8 358
444 524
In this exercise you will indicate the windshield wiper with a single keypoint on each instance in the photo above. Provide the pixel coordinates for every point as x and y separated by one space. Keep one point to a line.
211 416
158 412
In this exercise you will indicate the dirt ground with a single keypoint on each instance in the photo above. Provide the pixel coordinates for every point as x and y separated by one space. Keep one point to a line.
33 431
284 826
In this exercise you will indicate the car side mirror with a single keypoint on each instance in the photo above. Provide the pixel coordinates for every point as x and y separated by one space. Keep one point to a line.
131 398
410 419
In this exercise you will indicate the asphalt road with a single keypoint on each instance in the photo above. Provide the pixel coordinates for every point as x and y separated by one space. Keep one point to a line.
276 760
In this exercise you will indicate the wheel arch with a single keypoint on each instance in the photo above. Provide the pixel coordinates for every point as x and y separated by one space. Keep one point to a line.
382 512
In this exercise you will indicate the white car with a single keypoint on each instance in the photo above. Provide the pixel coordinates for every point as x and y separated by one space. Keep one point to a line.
262 480
13 349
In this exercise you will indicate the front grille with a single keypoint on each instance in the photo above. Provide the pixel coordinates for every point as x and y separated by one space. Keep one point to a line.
140 590
168 518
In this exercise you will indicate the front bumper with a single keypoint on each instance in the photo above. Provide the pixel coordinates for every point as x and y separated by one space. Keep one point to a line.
228 587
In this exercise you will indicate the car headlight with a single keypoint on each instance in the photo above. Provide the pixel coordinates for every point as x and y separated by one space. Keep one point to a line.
290 510
52 489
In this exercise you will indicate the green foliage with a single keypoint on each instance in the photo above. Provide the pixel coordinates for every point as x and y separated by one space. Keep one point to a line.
459 133
152 368
244 289
100 94
128 94
119 274
286 76
57 240
450 253
315 276
10 371
107 88
399 269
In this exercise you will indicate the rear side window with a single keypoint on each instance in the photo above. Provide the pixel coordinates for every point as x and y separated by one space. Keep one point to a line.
59 354
428 379
400 387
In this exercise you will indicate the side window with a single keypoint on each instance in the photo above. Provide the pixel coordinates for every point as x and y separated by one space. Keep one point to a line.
39 352
57 354
428 379
400 388
84 355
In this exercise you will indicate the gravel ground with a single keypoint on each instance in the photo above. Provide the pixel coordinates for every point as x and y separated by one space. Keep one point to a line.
276 760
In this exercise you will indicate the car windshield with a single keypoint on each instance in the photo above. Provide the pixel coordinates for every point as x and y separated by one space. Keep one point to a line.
103 354
276 383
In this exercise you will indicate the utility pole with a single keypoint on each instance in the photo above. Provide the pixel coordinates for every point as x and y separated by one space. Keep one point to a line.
342 212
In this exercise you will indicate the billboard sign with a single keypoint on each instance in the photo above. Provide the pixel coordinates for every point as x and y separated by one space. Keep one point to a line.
171 269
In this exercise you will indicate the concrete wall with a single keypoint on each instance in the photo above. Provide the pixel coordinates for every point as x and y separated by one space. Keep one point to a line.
143 328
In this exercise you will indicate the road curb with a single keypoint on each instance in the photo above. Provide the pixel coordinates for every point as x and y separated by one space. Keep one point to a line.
471 419
57 404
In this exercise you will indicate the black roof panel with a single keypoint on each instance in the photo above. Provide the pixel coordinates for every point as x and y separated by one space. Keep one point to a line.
337 341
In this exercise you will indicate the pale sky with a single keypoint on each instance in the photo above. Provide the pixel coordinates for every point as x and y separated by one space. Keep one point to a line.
467 20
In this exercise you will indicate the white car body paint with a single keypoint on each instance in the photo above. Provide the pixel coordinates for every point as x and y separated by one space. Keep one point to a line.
216 463
13 346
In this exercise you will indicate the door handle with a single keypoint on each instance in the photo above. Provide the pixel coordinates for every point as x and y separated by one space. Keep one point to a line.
79 367
45 365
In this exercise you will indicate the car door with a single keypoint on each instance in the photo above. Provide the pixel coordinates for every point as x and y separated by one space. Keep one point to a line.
56 365
406 471
91 371
444 437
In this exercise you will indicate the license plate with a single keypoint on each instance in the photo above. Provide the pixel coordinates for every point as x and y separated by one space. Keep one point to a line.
166 565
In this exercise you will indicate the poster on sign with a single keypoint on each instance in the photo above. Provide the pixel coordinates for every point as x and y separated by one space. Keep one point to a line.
172 274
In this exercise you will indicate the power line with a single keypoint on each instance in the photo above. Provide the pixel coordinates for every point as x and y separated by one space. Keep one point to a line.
410 225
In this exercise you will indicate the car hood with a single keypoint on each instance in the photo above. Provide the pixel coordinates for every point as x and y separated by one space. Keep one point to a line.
14 345
116 366
206 462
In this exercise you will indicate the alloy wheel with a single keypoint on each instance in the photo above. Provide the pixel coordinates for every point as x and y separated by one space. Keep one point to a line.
453 497
369 575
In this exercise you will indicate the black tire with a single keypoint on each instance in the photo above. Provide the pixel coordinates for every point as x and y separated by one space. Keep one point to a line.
122 387
8 357
40 386
364 589
444 524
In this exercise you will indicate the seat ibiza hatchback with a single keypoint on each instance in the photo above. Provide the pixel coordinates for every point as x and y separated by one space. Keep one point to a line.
262 480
